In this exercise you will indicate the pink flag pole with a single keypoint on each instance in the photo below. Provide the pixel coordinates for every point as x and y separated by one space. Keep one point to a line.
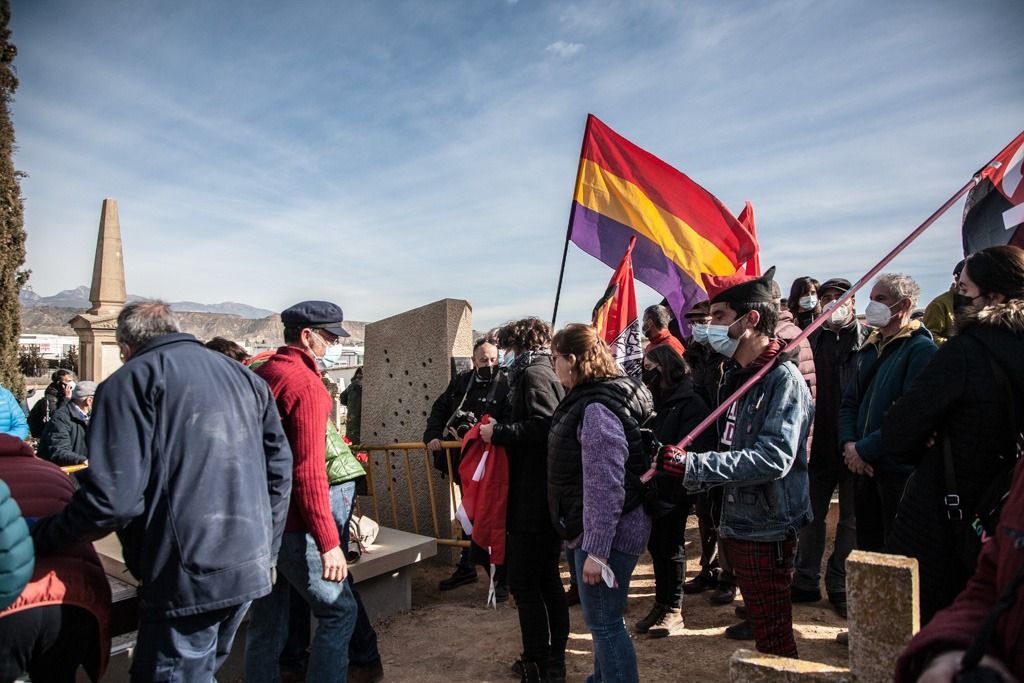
820 320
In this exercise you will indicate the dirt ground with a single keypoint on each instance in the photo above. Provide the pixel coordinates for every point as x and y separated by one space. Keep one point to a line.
452 636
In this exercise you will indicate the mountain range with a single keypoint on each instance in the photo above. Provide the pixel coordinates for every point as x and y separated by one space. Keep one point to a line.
78 298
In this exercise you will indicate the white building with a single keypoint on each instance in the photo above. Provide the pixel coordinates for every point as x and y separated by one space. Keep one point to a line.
51 346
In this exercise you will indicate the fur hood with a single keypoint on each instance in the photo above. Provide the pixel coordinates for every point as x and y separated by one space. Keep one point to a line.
1009 315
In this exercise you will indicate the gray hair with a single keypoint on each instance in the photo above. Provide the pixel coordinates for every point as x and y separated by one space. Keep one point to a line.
901 286
141 321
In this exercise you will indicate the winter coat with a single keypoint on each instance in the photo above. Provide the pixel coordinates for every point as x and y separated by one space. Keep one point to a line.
957 396
676 414
787 331
763 473
71 576
12 417
468 395
63 441
524 434
953 628
835 356
181 436
867 400
630 401
17 555
708 367
939 317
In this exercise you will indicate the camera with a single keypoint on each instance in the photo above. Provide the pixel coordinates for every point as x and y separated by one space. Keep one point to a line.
461 422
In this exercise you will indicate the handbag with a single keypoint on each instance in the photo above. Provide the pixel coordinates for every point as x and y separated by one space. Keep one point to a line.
362 531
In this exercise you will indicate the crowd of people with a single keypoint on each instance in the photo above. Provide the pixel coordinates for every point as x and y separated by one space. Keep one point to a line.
231 493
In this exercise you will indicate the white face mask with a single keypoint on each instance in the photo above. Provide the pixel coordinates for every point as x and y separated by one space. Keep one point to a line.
808 302
839 315
877 314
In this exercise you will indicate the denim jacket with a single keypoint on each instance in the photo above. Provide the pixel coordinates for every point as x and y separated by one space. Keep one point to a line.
765 496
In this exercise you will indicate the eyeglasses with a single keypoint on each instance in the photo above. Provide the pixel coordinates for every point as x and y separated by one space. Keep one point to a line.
327 337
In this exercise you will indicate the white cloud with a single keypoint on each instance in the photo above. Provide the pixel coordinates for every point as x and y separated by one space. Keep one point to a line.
564 49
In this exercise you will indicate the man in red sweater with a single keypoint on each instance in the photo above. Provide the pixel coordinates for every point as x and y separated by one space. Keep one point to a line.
311 558
655 328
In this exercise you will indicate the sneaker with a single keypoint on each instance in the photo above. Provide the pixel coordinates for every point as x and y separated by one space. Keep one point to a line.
741 612
723 595
460 577
671 622
702 582
740 631
804 595
653 617
572 596
365 674
838 601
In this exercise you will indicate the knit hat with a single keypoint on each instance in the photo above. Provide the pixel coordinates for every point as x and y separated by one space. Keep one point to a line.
747 290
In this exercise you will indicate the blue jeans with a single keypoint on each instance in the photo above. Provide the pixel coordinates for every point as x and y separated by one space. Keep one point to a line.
333 605
603 610
185 649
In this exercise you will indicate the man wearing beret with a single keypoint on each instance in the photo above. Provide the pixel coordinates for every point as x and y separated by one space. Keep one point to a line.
189 464
761 464
311 558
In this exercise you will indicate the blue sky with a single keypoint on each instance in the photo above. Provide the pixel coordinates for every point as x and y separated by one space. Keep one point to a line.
388 154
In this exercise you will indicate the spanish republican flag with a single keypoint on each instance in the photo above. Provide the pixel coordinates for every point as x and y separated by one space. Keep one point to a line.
682 231
616 320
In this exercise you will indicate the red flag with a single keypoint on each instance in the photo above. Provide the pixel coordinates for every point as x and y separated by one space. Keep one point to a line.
616 319
994 212
746 219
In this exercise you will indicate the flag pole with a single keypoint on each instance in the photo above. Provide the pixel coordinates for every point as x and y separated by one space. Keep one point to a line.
821 319
568 231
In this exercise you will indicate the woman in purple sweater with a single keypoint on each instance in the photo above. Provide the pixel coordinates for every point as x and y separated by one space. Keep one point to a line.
595 457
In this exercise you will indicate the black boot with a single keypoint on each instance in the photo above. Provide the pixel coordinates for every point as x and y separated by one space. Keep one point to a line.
531 673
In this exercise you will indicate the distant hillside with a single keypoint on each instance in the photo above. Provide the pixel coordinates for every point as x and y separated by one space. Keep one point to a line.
78 299
268 330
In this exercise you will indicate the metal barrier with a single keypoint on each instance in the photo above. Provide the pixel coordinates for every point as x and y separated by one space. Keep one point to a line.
402 451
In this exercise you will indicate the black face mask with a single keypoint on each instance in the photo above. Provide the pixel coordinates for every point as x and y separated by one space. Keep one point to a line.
962 302
652 378
488 373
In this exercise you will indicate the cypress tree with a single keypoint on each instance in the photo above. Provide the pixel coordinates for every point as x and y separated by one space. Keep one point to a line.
12 231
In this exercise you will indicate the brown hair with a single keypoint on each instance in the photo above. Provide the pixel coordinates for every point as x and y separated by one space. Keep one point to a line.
593 359
801 286
527 334
228 348
998 270
674 368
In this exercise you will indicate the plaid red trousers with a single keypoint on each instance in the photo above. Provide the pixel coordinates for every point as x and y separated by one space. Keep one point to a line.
764 573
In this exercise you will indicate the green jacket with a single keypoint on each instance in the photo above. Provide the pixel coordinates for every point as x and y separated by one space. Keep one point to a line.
342 464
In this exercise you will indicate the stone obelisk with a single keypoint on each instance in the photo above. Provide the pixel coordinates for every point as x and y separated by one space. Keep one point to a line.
99 354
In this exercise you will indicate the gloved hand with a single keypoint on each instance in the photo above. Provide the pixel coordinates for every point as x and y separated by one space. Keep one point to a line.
671 460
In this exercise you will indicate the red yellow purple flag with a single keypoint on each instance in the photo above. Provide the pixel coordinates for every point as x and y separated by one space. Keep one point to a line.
682 231
616 319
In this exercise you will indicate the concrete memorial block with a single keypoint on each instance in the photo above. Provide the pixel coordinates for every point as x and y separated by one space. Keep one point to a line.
884 604
747 666
408 363
99 355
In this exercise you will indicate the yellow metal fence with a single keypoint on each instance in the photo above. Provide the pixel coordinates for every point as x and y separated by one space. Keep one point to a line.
411 454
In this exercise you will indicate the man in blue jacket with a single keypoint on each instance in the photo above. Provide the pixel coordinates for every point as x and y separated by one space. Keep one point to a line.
12 417
761 463
189 464
890 359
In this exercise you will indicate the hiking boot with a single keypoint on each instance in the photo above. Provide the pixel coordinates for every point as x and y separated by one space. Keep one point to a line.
740 631
671 623
723 595
700 583
572 596
531 673
365 674
460 577
804 595
838 601
656 614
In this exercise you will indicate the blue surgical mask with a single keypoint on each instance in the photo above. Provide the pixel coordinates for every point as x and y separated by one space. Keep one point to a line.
720 341
505 358
808 302
700 332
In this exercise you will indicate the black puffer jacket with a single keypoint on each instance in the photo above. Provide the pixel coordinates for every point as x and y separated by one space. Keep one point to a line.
524 434
631 402
955 395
